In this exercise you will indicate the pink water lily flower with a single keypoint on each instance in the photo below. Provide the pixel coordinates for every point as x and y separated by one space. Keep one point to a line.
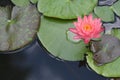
87 28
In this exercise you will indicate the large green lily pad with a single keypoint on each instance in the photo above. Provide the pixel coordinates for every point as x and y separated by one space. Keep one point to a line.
53 35
66 9
108 70
18 26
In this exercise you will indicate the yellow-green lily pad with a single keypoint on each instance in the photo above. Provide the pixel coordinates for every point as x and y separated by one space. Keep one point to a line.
66 9
53 36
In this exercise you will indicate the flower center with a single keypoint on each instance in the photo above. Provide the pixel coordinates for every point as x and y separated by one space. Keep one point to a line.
87 27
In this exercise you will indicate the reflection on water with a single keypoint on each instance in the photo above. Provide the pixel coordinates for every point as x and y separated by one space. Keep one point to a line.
35 64
45 73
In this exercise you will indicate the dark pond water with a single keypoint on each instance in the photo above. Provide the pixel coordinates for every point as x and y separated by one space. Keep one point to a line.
34 63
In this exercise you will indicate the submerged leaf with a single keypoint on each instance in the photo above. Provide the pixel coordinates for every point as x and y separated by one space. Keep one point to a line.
52 34
66 9
19 28
106 50
108 54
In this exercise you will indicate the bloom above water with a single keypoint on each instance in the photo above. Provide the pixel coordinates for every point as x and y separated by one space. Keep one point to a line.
87 28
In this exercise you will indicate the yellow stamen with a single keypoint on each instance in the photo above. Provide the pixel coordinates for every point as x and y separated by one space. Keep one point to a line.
87 27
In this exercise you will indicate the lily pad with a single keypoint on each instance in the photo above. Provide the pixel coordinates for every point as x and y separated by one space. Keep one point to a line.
116 7
105 13
107 70
52 34
66 9
18 27
21 2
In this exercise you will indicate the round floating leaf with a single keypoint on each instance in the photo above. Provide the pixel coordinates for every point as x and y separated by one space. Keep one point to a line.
116 7
53 36
21 2
107 70
66 9
105 13
19 28
34 1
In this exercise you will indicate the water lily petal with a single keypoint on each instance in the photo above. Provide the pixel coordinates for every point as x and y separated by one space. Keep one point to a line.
73 30
77 37
87 28
86 41
79 19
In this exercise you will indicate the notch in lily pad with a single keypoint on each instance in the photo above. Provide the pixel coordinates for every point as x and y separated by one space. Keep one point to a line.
18 26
